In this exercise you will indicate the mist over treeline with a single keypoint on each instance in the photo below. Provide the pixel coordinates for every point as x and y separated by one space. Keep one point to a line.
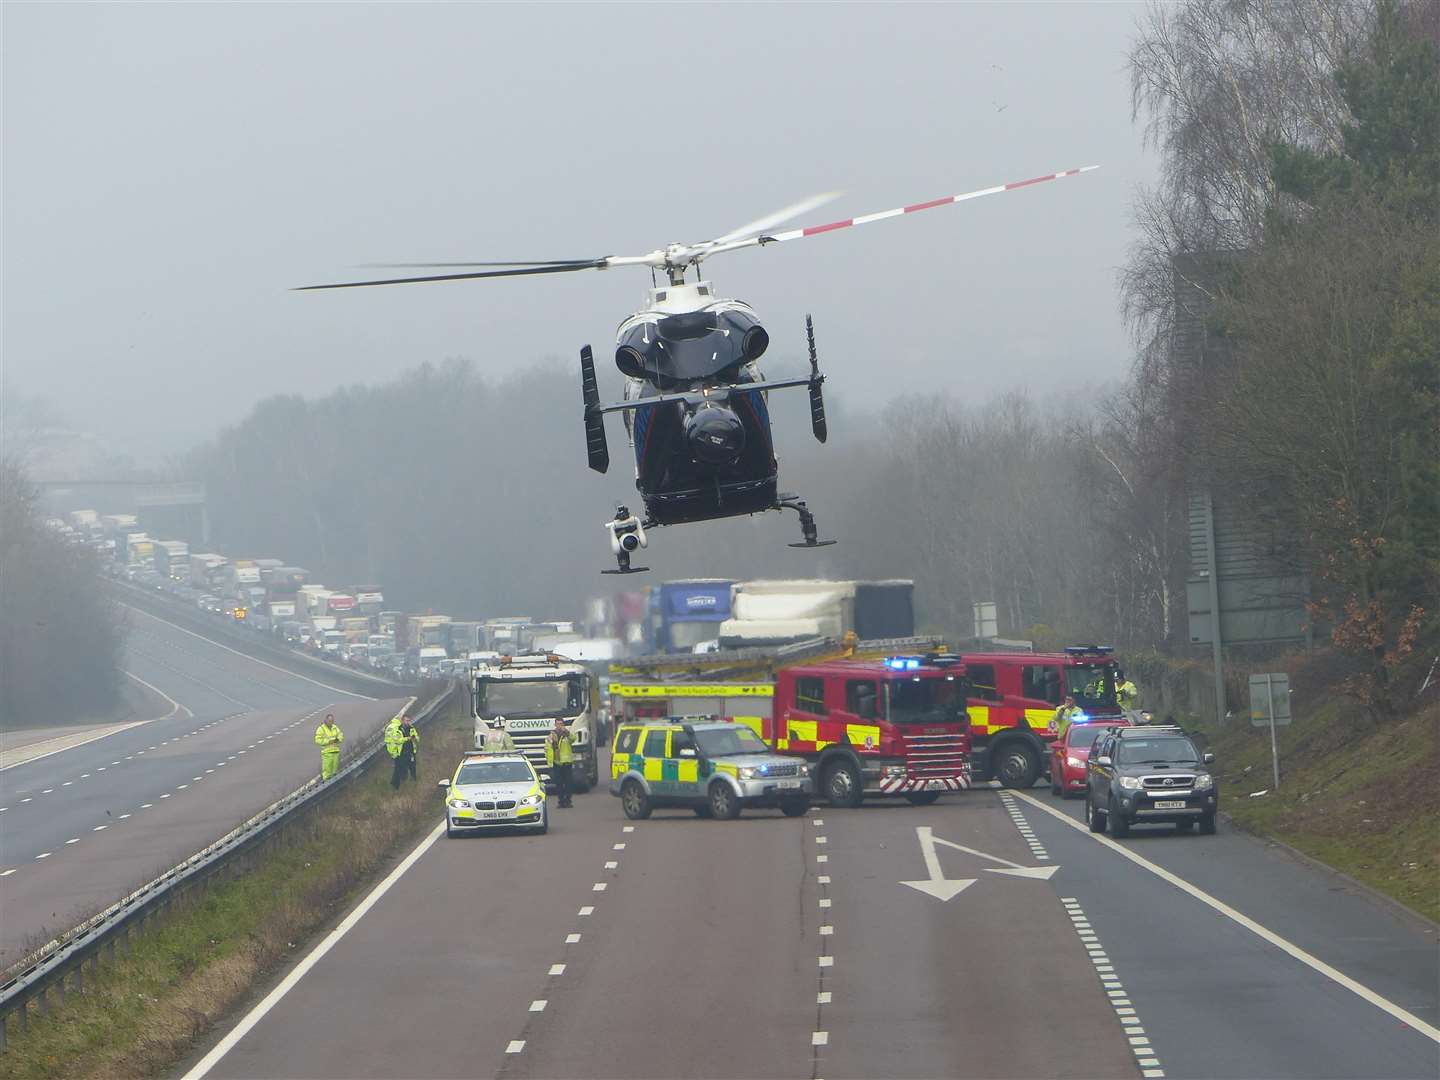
470 495
60 636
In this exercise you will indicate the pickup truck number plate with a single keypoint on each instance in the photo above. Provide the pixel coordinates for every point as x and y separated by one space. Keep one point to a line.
787 783
1170 805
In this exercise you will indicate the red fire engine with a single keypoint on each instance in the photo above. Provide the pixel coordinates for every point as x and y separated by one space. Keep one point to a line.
1013 698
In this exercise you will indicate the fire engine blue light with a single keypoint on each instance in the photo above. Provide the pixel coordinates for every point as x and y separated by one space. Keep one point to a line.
1080 718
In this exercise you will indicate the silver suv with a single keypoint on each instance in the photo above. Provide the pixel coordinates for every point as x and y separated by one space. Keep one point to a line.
713 767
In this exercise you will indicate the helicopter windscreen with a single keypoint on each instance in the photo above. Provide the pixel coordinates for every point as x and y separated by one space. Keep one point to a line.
690 346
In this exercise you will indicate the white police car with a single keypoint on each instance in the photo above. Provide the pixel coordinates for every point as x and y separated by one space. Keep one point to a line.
494 791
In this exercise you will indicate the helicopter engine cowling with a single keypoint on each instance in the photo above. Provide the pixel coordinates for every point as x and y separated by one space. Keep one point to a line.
714 435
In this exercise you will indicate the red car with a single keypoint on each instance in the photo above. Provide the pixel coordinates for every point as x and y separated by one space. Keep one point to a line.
1068 756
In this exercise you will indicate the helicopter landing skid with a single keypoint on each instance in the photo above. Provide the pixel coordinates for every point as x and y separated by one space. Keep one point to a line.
807 522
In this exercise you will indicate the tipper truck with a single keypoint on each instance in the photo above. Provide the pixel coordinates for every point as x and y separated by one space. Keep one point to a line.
526 694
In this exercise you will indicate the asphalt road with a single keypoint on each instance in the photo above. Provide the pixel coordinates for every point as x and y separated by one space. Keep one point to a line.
775 947
81 827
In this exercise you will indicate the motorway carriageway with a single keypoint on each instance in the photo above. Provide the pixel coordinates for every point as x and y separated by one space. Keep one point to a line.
82 827
825 947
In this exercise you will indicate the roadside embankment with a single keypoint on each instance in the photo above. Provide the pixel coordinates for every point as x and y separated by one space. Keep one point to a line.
143 1011
1357 795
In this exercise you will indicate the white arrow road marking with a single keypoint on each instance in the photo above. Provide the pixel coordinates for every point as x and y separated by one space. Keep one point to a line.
942 888
937 885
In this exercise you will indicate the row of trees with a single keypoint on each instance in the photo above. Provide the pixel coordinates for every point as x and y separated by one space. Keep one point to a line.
1293 228
59 638
1295 222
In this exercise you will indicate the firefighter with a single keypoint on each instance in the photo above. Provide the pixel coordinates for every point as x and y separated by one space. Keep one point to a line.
328 737
1126 692
560 756
1065 715
497 740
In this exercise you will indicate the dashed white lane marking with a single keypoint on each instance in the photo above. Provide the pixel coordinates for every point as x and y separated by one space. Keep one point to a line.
1125 1012
1314 963
45 855
27 799
628 828
124 816
584 911
823 879
821 840
538 1005
817 822
1027 834
516 1046
617 847
100 828
146 805
7 873
47 791
572 939
166 795
612 865
557 969
67 783
826 931
827 961
599 886
819 1038
822 858
73 840
822 998
178 787
84 776
825 902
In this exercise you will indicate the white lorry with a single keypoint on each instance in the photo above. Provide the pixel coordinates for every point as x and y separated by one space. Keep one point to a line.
526 694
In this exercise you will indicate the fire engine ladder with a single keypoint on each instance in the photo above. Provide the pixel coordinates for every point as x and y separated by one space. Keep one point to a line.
764 662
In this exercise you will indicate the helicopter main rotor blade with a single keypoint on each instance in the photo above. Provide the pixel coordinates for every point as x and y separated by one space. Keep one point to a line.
583 263
779 217
549 268
866 219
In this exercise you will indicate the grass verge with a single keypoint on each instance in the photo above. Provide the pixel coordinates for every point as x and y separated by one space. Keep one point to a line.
142 1013
1358 796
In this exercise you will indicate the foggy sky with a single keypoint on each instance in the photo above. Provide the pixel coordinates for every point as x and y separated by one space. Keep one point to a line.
170 171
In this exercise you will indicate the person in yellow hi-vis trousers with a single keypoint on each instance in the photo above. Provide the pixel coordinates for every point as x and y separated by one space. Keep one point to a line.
328 737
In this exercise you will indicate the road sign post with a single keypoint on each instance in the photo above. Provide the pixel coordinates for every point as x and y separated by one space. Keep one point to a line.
1270 706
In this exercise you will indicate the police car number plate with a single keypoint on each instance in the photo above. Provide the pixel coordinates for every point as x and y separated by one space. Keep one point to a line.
1170 805
493 815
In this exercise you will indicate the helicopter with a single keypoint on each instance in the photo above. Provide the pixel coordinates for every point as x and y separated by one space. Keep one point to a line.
695 403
